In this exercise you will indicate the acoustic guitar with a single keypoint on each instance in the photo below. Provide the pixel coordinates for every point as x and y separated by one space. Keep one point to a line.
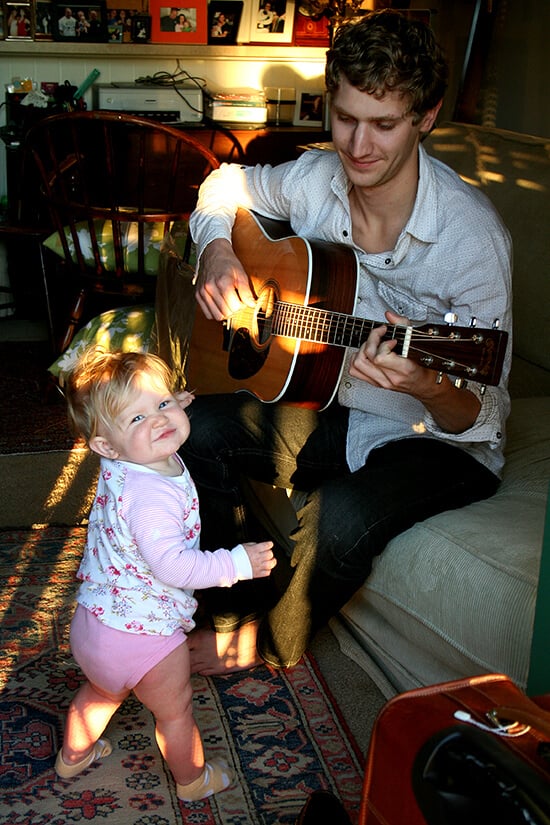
291 346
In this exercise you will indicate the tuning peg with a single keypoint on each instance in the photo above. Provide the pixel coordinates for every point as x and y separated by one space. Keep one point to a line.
473 321
450 318
496 323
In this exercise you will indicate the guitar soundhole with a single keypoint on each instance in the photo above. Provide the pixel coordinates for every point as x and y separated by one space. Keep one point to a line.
252 336
264 315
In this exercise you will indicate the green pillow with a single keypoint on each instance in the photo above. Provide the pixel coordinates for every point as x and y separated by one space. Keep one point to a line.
154 234
126 328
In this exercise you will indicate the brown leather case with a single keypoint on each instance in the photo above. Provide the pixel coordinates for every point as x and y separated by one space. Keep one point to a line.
408 721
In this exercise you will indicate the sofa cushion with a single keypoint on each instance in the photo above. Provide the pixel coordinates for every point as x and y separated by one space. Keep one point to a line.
126 328
455 595
153 238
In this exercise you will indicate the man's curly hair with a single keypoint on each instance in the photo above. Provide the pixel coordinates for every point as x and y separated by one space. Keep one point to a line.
387 52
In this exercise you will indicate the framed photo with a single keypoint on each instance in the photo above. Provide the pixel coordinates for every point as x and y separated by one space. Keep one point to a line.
43 20
224 17
311 28
119 24
85 23
177 24
141 28
18 21
309 108
272 21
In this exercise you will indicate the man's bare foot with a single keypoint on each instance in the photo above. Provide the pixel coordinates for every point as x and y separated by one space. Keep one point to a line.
213 654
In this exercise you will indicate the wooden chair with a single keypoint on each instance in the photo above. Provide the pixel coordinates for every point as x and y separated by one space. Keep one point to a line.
114 184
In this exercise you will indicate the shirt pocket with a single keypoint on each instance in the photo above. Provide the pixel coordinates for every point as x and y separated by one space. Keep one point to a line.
402 303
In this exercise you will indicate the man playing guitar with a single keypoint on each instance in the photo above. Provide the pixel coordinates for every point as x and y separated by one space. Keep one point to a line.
400 442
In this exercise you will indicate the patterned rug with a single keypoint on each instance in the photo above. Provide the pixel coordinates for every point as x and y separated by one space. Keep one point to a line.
280 730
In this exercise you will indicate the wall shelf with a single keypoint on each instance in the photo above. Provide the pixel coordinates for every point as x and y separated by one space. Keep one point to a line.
154 51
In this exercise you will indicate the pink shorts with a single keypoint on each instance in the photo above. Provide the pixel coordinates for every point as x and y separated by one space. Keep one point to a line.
113 659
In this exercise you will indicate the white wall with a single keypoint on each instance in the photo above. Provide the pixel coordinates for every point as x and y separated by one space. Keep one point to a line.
238 67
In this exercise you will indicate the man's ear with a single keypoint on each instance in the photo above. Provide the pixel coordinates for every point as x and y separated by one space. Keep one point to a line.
102 447
428 121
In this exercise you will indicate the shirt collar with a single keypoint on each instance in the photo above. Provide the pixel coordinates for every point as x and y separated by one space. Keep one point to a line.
422 223
340 182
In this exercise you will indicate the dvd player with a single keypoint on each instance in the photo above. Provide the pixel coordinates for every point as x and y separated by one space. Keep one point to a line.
180 103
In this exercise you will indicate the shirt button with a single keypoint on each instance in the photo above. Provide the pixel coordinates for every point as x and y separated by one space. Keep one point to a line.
348 385
345 233
387 261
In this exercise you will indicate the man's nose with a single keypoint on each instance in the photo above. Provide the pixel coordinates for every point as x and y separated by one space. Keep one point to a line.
361 140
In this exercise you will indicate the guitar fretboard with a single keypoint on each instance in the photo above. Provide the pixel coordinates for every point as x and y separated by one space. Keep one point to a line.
327 327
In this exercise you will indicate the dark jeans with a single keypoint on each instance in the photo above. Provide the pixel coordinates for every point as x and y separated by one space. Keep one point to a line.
347 520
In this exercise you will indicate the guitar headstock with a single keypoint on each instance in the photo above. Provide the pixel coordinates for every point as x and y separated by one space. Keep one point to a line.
466 352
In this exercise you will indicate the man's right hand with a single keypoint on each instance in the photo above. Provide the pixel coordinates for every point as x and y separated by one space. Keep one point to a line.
222 286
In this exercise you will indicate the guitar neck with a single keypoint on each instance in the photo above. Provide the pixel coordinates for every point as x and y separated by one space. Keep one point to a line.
336 328
466 352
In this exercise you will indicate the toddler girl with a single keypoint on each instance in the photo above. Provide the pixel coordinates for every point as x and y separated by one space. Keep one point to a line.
141 563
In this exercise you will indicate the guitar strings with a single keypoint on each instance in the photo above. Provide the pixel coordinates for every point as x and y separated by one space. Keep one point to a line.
328 326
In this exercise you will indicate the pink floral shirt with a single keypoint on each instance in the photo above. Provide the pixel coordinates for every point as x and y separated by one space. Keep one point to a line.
142 559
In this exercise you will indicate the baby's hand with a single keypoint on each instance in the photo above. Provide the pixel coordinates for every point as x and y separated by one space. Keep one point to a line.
184 398
261 558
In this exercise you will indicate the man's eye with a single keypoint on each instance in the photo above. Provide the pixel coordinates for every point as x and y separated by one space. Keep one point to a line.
386 126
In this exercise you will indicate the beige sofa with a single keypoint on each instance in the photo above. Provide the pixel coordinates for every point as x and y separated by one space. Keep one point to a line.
455 595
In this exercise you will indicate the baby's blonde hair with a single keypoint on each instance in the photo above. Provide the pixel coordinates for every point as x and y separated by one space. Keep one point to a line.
102 384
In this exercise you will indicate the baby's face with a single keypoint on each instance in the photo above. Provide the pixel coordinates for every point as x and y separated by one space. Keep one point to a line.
152 426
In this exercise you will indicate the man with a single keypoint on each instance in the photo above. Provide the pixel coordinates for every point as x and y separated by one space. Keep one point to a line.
168 21
266 16
401 443
67 24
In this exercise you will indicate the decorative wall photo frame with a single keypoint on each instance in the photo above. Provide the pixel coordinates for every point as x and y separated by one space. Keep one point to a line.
224 18
141 28
119 23
178 24
18 21
309 108
43 20
272 21
83 23
311 28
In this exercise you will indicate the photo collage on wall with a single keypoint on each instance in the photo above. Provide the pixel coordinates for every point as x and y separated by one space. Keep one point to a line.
212 22
93 21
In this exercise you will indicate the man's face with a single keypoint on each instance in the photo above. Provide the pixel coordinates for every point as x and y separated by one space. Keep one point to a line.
375 137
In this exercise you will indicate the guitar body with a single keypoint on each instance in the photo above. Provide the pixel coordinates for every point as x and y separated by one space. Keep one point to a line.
242 354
